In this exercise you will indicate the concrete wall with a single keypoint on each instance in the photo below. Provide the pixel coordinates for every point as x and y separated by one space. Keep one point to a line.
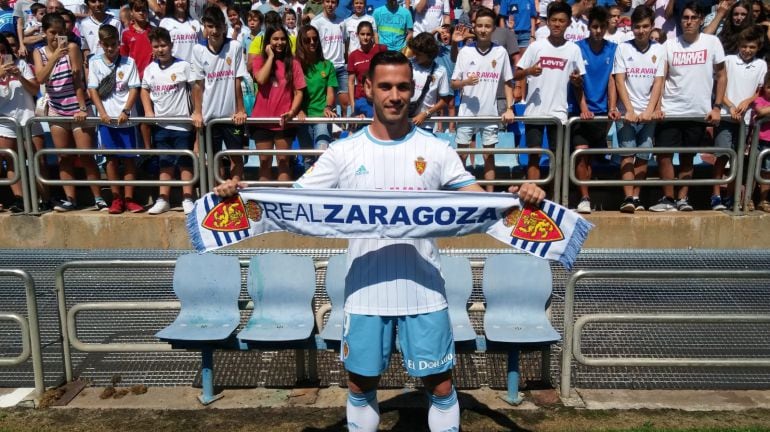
94 230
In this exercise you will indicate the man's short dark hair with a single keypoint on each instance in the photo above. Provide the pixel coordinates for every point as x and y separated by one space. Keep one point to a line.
108 33
693 6
753 33
558 7
486 12
599 14
213 15
387 58
641 13
36 7
159 34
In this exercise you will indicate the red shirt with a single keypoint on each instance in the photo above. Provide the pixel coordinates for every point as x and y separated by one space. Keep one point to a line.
274 98
136 44
358 65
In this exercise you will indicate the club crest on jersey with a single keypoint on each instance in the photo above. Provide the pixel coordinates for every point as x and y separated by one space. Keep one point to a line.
323 74
494 63
534 225
229 215
419 165
229 61
654 58
120 75
173 77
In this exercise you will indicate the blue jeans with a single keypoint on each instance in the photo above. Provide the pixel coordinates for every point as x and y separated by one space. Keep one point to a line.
314 136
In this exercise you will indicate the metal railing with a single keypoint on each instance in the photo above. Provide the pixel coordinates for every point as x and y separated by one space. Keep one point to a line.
68 316
208 162
554 174
570 160
30 330
18 169
573 329
35 175
754 168
19 159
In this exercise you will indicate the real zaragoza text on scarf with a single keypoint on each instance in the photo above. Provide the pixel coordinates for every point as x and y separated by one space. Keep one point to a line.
551 231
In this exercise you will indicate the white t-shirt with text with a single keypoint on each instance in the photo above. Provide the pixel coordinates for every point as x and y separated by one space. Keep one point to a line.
218 72
690 76
126 78
332 35
491 67
640 69
169 89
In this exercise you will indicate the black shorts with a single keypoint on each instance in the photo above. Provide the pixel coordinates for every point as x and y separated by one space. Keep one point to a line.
680 134
534 135
590 134
262 134
231 136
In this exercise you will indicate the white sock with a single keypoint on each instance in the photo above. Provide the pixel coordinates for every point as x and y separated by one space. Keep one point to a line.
363 411
444 413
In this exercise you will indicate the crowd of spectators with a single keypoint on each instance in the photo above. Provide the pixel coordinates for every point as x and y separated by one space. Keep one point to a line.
634 62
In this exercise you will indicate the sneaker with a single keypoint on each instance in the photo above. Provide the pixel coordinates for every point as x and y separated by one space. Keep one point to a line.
100 204
160 206
764 205
188 206
117 206
638 205
628 205
750 207
133 207
17 206
665 204
64 206
683 205
584 207
716 203
44 206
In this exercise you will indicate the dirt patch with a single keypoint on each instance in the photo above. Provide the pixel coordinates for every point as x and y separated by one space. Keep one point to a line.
402 419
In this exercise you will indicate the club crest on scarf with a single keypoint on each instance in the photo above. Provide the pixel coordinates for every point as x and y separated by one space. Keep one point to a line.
532 225
231 215
420 164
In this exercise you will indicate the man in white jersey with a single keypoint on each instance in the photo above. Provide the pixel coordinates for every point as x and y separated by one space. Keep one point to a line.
88 27
693 59
479 72
639 70
218 67
394 282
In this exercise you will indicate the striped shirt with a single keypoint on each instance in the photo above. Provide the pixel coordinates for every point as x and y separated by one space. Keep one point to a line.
391 276
60 86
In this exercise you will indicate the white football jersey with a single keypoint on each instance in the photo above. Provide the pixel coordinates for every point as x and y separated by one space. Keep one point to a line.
170 90
391 277
218 72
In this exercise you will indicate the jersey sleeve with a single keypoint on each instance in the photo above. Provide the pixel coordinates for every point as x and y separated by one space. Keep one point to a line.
331 75
457 74
619 63
93 80
240 62
197 68
25 70
453 173
577 62
507 70
409 22
324 174
443 82
133 75
660 63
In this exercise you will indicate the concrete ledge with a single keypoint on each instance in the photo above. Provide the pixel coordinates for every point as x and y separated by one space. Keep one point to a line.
98 230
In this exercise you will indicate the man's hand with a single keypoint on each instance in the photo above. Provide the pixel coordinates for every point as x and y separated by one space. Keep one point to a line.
228 188
529 193
714 116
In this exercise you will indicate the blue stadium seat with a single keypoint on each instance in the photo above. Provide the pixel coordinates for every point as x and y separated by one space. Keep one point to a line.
459 284
282 288
336 272
517 288
208 287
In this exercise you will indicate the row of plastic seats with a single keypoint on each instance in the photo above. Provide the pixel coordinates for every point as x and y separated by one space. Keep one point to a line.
516 287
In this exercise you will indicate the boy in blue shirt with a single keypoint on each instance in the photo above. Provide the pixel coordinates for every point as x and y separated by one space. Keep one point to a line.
599 97
394 25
